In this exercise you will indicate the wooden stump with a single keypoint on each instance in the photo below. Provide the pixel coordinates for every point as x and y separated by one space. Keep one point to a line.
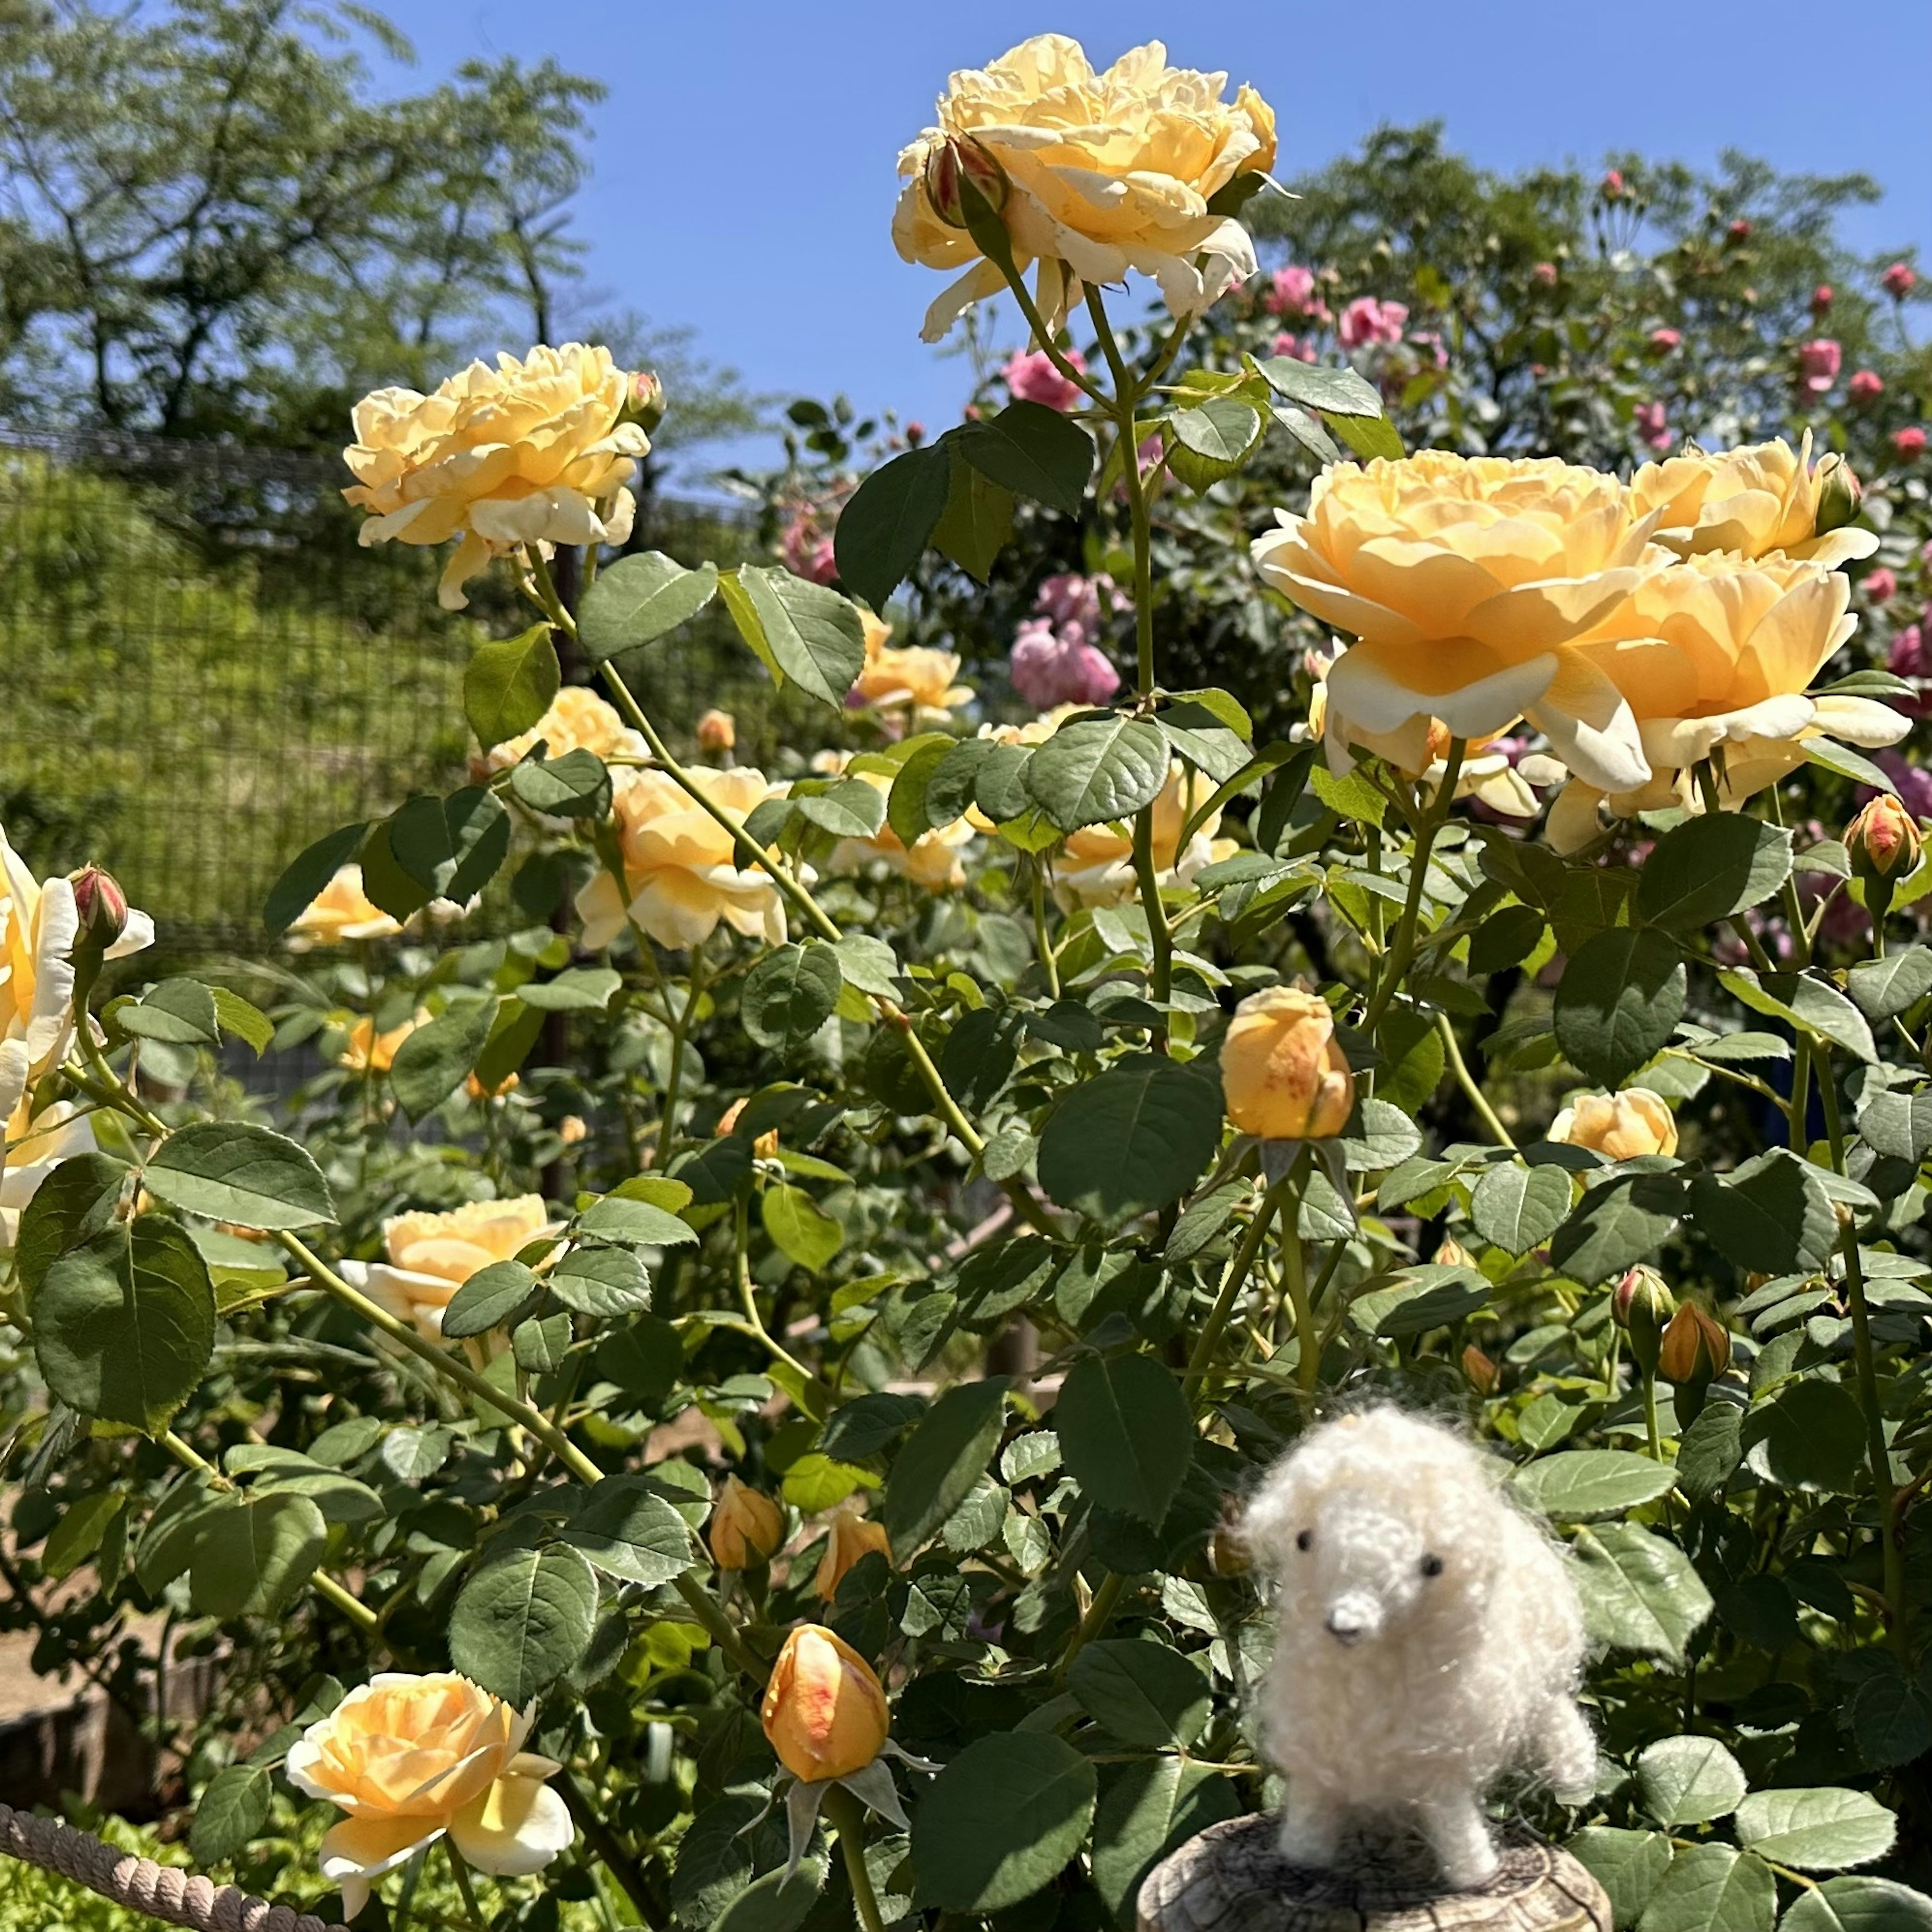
1232 1879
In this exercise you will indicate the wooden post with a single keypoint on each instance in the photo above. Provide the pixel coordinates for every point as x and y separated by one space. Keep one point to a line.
1232 1879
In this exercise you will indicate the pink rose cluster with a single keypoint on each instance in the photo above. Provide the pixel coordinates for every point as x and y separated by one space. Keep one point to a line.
1366 322
1651 426
806 552
1818 364
1031 377
1291 291
1055 660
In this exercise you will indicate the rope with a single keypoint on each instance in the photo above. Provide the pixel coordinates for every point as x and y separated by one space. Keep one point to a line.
162 1891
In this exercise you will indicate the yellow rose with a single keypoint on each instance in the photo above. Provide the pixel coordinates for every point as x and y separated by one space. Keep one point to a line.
1619 1126
824 1709
1717 651
431 1256
746 1527
409 1758
932 862
1883 839
717 731
851 1537
1104 173
1095 866
34 1148
1283 1073
1757 501
534 451
1465 581
578 720
917 677
340 912
681 866
39 924
366 1051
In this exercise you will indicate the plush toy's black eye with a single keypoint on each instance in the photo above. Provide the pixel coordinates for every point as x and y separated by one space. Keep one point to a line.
1305 1540
1432 1566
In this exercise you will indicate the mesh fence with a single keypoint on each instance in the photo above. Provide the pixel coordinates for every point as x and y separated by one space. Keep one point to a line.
203 673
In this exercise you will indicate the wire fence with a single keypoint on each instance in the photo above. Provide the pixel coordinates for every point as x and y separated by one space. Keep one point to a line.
204 673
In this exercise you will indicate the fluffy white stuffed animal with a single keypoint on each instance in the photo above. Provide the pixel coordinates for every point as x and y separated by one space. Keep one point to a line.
1430 1639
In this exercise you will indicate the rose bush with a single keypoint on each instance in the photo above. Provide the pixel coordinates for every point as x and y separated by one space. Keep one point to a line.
785 1322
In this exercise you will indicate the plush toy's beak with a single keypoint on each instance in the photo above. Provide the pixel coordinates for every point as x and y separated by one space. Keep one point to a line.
1354 1617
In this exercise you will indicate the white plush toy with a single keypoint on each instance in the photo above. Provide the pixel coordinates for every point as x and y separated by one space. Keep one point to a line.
1430 1639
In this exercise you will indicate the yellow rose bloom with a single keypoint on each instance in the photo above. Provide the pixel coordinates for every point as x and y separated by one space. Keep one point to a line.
431 1256
530 452
340 912
33 1147
408 1758
578 720
1284 1075
1619 1126
824 1709
1758 501
1465 581
918 677
681 866
746 1527
366 1051
851 1537
1104 173
1095 866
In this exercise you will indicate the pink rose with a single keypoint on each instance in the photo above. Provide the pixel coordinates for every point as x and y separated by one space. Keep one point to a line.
1365 320
806 553
915 434
1821 297
1739 230
1909 441
1865 387
1544 275
1664 341
1908 657
1899 280
1818 363
1291 293
1069 599
1047 669
1651 426
1611 187
1032 378
1881 586
1285 344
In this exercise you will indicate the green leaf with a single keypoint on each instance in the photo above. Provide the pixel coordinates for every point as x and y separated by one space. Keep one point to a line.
243 1020
595 1279
1134 1138
800 1228
489 1299
1616 1225
430 1064
790 994
869 964
1771 1217
230 1171
1000 1821
1516 1208
78 1534
1709 867
1710 1451
1148 1810
1891 1719
1712 1888
1807 1002
1096 770
524 1619
640 1223
1810 1435
1145 1693
1859 1905
639 599
847 808
816 637
1627 1864
630 1532
906 808
576 785
507 685
1367 436
231 1809
517 1029
578 989
250 1558
1505 939
1824 1828
1689 1780
1307 430
977 522
179 1012
1583 1482
1210 441
123 1325
301 883
1829 755
1619 1001
1639 1590
1126 1434
74 1204
949 787
1882 989
883 529
449 848
941 1460
1032 450
1331 391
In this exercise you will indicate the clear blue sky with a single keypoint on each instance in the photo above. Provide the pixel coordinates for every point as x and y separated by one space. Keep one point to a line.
744 160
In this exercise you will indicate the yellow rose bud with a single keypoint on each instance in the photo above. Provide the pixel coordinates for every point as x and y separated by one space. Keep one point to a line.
572 1129
746 1527
717 731
1696 1348
1283 1070
1884 839
1620 1126
824 1708
644 403
1642 1307
1482 1373
366 1051
1453 1254
851 1537
1838 493
478 1092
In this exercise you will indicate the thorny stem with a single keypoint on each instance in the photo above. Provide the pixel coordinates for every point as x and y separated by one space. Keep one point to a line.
847 1819
1240 1264
1049 960
1473 1093
1396 963
741 1228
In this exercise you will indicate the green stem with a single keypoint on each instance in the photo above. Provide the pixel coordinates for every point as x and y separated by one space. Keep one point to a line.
1651 1431
1240 1264
1049 960
741 1228
1799 1111
1160 982
847 1818
1396 962
694 984
1127 400
599 1836
1105 1598
1471 1092
1295 1278
460 1871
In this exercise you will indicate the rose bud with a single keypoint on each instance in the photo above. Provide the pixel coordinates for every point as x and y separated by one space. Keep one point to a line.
851 1537
644 402
717 731
1283 1072
824 1709
1838 492
1696 1348
1620 1126
1482 1373
950 167
1884 840
746 1527
1453 1254
1642 1307
101 906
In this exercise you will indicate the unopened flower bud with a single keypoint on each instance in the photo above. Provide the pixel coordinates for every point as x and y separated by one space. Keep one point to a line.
644 403
1642 1306
1838 492
852 1536
717 731
1482 1373
572 1129
1884 840
1696 1348
746 1527
101 908
1283 1070
951 166
824 1710
1453 1254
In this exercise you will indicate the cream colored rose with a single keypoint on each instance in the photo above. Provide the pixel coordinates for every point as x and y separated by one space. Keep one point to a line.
340 912
1618 1126
409 1758
530 452
1095 866
1466 581
34 1149
933 860
917 677
1284 1076
431 1256
681 867
1104 172
1757 502
578 720
38 926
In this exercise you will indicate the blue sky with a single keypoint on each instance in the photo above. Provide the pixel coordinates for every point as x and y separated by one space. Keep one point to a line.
744 160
